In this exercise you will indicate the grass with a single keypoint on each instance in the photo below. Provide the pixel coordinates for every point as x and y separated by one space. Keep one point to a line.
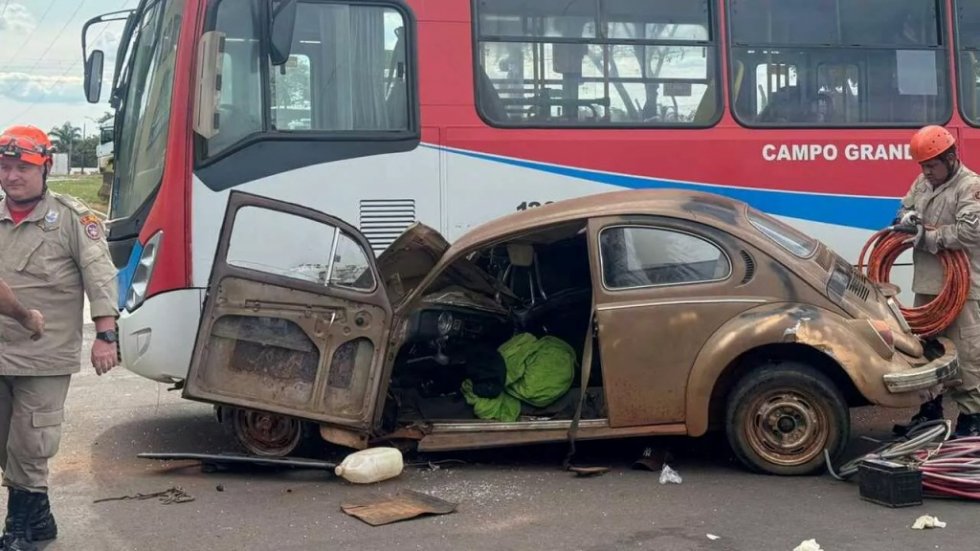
85 188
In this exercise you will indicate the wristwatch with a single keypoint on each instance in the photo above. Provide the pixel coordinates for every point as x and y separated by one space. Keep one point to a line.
107 336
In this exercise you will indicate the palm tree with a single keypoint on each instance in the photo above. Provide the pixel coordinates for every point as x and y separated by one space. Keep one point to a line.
64 138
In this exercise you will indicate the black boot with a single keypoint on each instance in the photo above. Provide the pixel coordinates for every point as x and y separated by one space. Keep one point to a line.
929 411
15 532
967 425
42 524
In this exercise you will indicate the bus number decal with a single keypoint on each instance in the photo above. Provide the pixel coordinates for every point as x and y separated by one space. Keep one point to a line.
531 204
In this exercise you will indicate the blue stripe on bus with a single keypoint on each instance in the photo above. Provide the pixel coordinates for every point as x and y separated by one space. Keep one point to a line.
872 213
125 276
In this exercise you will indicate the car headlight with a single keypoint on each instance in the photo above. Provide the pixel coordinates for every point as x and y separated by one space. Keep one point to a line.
444 324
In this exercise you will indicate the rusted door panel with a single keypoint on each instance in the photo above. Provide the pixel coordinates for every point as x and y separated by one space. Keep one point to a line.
649 336
276 338
647 351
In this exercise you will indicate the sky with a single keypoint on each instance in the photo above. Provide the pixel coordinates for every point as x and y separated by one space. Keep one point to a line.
41 61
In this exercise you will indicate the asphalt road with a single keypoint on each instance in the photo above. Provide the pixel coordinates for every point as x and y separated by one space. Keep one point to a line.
508 499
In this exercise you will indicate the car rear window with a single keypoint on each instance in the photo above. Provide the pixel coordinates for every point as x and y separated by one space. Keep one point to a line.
783 234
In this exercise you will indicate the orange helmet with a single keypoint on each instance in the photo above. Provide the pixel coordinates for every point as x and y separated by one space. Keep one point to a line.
26 143
930 142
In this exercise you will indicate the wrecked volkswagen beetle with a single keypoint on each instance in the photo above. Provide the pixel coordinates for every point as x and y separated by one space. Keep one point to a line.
698 313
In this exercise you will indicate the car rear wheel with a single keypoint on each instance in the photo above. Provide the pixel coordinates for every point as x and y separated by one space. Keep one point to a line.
269 434
782 417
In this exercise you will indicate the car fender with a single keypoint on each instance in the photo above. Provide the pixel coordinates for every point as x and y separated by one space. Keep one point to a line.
781 323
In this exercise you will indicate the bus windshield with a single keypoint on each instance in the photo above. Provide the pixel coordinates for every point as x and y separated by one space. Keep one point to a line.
145 107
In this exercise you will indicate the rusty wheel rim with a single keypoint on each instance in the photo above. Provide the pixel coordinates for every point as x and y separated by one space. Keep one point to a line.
787 427
268 434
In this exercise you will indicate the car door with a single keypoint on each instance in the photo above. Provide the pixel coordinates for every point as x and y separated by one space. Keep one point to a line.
296 320
663 286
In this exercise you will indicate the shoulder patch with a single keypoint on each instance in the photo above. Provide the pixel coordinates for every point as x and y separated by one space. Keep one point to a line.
73 203
89 219
93 230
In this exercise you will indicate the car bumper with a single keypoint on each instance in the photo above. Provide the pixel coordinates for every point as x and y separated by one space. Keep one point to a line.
942 371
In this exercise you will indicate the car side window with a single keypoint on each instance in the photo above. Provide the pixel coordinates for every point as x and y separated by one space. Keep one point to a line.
644 256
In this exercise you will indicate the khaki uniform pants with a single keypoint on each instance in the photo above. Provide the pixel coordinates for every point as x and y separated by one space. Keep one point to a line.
31 413
965 334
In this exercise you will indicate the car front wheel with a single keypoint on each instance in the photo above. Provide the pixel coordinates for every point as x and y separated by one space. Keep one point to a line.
780 419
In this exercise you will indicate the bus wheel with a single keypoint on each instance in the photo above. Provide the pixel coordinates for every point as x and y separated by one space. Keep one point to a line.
782 417
267 434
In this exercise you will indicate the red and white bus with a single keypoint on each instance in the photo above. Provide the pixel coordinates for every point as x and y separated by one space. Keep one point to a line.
454 112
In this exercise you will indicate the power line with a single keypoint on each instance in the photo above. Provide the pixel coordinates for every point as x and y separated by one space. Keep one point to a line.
63 75
57 81
31 34
51 45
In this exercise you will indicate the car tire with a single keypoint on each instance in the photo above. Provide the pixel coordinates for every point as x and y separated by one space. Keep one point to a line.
781 417
269 434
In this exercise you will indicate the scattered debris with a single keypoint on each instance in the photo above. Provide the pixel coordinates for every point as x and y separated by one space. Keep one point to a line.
651 462
220 487
371 465
713 537
168 496
808 545
927 521
236 458
588 471
405 505
668 475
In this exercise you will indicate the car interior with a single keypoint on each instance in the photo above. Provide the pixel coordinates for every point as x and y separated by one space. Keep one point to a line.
544 289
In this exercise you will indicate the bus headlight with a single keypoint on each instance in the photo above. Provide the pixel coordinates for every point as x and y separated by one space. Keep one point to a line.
144 271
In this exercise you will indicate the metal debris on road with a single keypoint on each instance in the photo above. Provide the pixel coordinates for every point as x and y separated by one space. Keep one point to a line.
168 496
405 505
927 521
236 458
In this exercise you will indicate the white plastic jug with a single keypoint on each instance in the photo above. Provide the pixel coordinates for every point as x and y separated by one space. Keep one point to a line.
371 465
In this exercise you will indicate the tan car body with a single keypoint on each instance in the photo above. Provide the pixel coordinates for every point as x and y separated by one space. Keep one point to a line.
773 303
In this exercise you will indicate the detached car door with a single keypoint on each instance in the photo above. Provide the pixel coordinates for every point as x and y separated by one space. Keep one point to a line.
295 321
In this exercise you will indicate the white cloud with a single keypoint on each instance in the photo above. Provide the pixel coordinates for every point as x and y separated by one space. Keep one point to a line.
42 89
18 19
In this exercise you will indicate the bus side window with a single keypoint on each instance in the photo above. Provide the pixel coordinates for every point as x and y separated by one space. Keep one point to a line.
861 63
593 63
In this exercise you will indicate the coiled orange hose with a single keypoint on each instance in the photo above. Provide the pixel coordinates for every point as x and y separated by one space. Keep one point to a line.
934 317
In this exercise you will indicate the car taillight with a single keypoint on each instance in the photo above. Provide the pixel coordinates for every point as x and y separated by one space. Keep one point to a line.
136 293
884 331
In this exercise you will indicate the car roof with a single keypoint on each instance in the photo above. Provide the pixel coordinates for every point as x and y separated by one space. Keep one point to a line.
691 205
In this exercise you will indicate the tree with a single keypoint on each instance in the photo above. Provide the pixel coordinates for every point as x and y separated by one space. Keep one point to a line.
83 153
65 137
106 117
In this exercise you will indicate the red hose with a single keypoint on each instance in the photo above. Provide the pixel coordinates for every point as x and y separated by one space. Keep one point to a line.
934 317
953 469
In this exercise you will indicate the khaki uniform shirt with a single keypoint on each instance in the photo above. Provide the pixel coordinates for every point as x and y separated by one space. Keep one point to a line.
48 259
954 210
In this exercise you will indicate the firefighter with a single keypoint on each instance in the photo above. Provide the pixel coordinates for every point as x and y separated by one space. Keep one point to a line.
53 251
944 202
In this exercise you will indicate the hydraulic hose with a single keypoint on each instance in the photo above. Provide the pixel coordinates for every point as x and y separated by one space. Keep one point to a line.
934 317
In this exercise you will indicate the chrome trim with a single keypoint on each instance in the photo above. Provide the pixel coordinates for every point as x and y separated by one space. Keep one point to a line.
923 377
490 426
684 301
